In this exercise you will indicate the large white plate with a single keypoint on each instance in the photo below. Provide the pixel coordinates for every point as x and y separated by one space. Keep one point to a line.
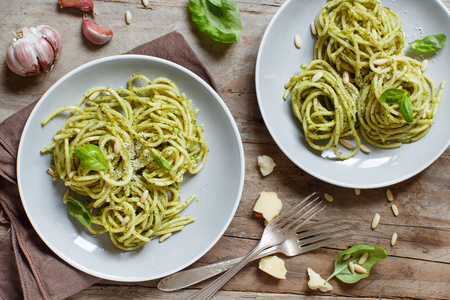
278 60
218 185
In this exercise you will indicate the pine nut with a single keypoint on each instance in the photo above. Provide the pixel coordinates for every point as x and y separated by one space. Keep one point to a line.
71 174
360 269
51 172
94 95
144 196
328 197
424 65
394 209
125 220
346 256
363 258
317 76
351 266
313 28
357 192
375 220
145 3
346 143
128 17
381 61
77 131
364 148
117 147
346 77
66 194
393 239
374 34
165 237
298 41
389 195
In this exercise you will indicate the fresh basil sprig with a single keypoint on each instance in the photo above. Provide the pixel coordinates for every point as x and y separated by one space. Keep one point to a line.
342 269
91 157
160 161
429 44
391 96
78 211
220 20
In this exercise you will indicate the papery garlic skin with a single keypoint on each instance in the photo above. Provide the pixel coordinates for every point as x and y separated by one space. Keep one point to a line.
84 5
34 50
95 33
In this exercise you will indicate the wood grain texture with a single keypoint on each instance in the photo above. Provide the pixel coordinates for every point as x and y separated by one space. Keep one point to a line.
418 266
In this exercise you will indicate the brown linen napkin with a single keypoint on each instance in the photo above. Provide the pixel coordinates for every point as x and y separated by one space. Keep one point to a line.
28 268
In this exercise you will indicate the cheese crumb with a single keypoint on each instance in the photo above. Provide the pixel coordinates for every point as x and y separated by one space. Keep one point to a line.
274 266
316 282
269 205
266 164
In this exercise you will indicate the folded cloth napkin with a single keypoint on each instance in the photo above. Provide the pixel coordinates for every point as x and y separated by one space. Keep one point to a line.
28 268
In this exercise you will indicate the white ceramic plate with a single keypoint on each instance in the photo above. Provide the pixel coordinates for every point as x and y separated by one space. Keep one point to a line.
218 185
278 60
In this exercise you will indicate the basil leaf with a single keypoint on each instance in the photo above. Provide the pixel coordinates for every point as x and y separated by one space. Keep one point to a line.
91 157
161 162
391 96
219 19
78 211
429 44
406 109
342 270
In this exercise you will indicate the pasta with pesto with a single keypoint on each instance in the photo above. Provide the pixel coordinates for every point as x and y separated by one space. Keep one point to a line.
137 198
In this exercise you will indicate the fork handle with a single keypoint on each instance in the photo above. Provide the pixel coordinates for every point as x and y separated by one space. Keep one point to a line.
208 291
183 279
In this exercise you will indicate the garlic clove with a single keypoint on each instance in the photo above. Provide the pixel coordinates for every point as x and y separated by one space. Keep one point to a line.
34 50
95 33
84 5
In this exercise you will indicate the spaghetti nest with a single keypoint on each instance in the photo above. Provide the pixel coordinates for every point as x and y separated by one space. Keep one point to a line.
136 199
350 32
382 124
326 107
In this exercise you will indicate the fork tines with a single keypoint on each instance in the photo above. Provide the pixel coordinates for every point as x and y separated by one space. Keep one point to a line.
324 231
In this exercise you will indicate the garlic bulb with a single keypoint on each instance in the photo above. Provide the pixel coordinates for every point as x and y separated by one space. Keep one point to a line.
95 33
34 50
84 5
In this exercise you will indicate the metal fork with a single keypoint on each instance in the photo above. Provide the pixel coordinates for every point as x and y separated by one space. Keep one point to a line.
276 232
307 238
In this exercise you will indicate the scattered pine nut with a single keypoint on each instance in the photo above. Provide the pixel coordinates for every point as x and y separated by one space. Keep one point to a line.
77 131
375 220
71 174
145 3
125 220
363 258
328 197
50 171
66 194
346 77
360 269
424 65
394 209
94 95
313 28
364 148
358 192
346 256
346 143
117 147
393 239
128 17
144 196
317 76
298 41
380 61
351 266
389 195
374 34
165 237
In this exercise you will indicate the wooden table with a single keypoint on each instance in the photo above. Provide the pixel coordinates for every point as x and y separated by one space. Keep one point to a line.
417 267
